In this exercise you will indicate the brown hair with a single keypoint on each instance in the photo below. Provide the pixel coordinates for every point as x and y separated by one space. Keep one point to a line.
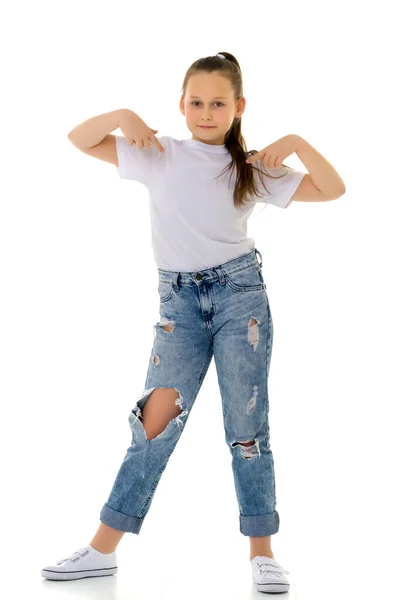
245 185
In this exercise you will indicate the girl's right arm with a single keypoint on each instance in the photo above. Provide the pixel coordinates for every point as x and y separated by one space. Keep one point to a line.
93 136
94 130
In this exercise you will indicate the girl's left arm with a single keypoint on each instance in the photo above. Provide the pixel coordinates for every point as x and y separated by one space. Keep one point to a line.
322 174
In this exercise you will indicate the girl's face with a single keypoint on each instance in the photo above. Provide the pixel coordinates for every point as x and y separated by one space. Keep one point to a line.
209 100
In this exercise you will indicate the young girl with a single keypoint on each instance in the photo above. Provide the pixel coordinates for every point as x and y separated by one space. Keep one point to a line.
213 302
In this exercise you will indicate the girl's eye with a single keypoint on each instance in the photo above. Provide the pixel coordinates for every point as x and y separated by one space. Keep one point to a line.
197 101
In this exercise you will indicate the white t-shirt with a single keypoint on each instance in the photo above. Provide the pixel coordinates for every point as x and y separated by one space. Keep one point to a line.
194 223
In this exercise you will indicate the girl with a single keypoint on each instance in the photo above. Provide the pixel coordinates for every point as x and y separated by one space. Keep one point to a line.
213 302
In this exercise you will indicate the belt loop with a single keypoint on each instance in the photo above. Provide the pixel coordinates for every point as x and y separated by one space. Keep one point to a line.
175 283
258 252
221 276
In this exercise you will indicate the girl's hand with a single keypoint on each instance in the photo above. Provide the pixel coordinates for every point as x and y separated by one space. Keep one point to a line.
272 156
137 132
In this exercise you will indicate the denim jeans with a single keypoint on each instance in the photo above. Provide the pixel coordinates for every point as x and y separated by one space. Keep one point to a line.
222 312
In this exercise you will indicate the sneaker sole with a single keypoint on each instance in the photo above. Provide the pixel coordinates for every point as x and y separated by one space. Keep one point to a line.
67 575
273 588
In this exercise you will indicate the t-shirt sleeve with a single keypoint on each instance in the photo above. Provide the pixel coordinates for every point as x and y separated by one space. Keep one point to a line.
281 189
138 163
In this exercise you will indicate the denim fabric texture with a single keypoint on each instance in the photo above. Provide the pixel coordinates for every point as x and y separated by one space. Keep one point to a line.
223 312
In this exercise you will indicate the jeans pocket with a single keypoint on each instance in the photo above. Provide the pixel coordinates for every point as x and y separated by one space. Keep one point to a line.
249 279
165 290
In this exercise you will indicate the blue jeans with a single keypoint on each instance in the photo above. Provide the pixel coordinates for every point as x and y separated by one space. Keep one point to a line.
221 311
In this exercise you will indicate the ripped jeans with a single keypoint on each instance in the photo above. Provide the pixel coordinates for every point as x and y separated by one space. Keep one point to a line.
222 312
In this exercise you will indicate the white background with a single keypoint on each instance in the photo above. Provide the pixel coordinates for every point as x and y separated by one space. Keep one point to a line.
79 298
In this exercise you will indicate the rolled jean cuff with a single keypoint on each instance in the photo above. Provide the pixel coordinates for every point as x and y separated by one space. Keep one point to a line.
260 525
118 520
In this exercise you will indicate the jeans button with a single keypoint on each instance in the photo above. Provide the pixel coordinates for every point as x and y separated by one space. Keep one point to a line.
199 276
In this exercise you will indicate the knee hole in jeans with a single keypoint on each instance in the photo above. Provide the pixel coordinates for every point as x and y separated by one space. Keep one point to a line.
159 409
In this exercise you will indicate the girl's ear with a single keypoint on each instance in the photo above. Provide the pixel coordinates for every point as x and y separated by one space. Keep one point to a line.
241 106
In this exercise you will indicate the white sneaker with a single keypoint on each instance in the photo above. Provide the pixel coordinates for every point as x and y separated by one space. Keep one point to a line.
268 575
85 562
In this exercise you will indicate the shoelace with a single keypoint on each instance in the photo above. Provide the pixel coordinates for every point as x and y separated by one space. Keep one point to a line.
75 556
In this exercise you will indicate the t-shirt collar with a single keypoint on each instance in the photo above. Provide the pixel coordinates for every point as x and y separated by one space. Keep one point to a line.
212 148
